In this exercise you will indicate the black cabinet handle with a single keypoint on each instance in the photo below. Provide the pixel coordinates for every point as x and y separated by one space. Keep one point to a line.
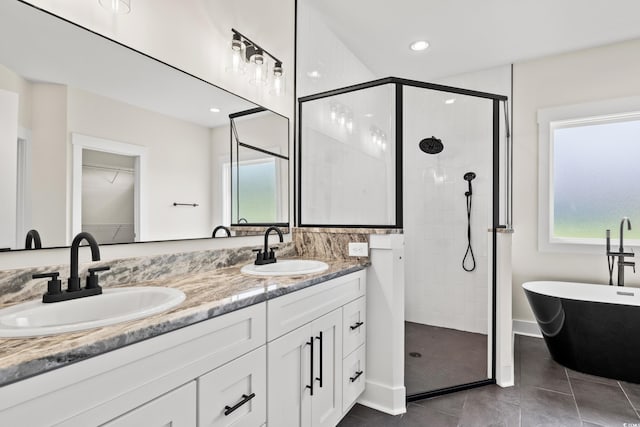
356 376
356 326
310 387
320 377
245 398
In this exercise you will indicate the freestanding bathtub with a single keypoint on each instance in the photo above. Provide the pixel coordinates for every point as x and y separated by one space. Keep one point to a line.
593 329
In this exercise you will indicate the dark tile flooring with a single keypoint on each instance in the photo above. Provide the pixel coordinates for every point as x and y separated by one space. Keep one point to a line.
448 357
545 394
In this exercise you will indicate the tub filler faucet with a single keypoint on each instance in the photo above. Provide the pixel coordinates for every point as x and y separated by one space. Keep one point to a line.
621 254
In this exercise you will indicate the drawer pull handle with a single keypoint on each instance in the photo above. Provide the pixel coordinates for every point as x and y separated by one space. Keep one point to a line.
356 326
321 341
245 398
356 376
310 386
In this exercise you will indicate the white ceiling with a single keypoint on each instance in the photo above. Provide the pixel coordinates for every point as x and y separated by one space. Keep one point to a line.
473 34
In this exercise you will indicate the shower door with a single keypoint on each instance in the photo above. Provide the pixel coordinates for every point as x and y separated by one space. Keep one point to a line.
448 145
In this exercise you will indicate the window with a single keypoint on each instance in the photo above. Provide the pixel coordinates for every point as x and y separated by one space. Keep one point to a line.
589 174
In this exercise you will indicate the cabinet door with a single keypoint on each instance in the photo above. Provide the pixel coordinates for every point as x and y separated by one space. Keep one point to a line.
326 404
289 373
235 394
176 409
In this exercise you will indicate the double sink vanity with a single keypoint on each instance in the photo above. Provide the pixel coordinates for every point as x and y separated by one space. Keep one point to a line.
281 344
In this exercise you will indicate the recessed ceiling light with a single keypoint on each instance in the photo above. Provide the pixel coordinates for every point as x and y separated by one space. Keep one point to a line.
369 115
419 45
450 101
214 110
314 74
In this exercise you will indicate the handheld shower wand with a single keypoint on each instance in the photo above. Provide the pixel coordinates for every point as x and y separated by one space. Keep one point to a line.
469 176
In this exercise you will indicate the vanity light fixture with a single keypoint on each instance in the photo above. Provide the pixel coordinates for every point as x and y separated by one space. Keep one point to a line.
419 45
246 52
120 7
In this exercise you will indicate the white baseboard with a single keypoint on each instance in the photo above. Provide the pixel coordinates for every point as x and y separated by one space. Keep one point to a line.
390 400
526 327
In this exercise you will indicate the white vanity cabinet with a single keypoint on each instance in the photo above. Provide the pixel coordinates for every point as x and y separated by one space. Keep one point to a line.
306 352
285 362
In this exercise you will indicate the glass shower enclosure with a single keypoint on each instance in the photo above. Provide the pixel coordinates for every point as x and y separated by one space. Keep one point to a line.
427 159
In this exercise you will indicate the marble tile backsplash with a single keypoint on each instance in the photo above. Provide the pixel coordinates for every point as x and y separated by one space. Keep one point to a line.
17 285
331 243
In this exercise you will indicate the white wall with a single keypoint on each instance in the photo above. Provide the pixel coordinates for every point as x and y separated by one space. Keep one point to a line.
178 160
15 83
319 49
588 75
50 160
8 173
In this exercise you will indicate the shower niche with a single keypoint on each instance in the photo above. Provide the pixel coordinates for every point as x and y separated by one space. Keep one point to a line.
427 159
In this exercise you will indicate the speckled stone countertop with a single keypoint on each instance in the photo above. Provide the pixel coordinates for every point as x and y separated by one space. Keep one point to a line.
208 294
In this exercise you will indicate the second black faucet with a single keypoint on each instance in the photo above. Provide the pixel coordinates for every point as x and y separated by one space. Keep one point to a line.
269 255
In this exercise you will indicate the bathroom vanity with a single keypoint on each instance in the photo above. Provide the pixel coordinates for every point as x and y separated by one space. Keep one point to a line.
240 350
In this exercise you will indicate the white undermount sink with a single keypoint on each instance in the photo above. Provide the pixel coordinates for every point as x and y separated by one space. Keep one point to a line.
286 267
35 318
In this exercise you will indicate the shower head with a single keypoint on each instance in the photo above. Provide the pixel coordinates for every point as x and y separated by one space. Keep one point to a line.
431 145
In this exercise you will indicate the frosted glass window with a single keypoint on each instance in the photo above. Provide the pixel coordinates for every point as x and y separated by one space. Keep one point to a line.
595 177
256 184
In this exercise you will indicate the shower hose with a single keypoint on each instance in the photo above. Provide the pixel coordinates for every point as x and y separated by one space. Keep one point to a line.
469 252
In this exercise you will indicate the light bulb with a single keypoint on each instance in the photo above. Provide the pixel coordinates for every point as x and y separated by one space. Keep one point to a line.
277 85
237 65
259 72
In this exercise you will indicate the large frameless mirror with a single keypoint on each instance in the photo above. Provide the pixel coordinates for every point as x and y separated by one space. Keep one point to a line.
97 137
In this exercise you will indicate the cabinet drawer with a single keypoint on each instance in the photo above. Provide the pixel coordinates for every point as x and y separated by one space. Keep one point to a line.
176 408
353 325
291 311
353 377
235 394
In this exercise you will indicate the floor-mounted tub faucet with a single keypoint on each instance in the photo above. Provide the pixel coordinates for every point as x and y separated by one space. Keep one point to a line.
621 254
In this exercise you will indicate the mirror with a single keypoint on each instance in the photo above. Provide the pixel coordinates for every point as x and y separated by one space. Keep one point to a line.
97 137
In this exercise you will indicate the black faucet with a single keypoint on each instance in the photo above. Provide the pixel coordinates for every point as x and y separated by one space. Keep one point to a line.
621 254
54 291
221 227
268 256
33 240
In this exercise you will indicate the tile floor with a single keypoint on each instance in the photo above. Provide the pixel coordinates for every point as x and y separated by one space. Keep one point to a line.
545 394
448 357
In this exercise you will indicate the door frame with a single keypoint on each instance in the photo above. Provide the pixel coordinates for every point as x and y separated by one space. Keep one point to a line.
138 152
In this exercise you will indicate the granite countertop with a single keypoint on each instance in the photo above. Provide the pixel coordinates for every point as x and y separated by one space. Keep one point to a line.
208 294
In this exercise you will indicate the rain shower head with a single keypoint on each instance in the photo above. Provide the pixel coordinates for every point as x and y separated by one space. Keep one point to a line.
469 176
431 145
